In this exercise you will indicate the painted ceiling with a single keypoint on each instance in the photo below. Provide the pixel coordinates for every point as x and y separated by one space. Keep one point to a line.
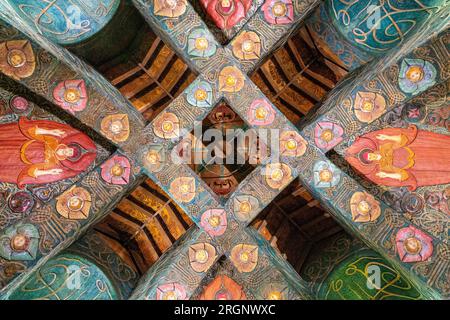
99 99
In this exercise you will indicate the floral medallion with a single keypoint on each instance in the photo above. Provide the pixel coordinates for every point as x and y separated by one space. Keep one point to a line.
71 95
154 158
231 80
19 242
261 113
116 127
116 170
214 222
244 257
183 189
416 76
326 175
364 207
369 106
200 94
247 46
202 256
413 245
292 144
74 204
245 207
167 126
327 135
278 11
171 291
201 43
278 175
17 59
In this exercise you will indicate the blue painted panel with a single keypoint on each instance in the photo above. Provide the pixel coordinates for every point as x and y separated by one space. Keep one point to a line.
66 22
67 277
377 25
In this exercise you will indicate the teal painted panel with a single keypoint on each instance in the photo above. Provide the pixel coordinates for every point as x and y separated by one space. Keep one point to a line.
376 26
66 22
67 277
88 270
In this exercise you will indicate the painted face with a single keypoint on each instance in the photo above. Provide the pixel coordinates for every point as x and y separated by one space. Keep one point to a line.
152 157
248 46
373 156
277 175
201 95
367 106
412 245
364 207
19 242
279 9
245 207
231 81
116 127
325 175
16 58
214 221
261 113
65 152
244 257
291 144
201 256
184 188
72 95
167 126
415 73
327 135
75 203
117 170
201 44
225 3
274 295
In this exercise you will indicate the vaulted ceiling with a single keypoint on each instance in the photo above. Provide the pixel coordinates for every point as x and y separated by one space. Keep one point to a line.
145 218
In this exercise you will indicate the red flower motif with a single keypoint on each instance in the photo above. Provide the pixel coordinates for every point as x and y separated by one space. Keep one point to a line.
261 113
171 291
71 95
116 170
278 11
20 105
223 288
226 13
214 222
413 245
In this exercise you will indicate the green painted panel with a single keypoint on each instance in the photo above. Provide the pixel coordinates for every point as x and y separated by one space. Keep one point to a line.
366 276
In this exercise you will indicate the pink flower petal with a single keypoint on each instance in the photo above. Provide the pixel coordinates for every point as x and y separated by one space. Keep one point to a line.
107 175
218 230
